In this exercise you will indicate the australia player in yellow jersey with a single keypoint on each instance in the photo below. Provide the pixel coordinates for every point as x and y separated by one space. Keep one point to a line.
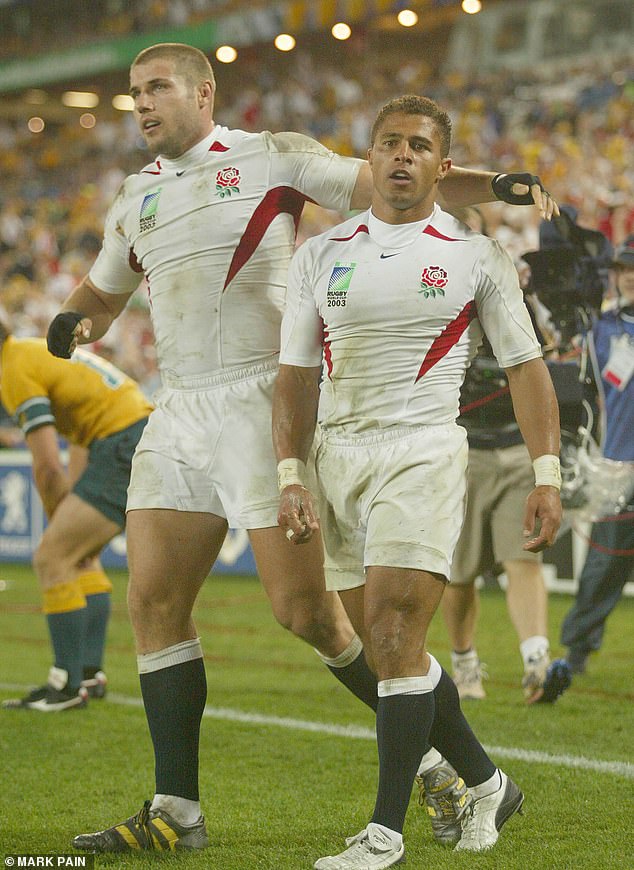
101 413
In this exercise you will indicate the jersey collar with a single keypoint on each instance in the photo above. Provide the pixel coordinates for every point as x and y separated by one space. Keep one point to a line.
192 157
397 235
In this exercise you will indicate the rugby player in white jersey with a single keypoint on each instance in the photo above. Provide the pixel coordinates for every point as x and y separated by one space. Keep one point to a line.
393 304
211 225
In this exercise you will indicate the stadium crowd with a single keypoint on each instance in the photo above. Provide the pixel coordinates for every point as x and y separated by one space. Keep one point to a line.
57 186
26 28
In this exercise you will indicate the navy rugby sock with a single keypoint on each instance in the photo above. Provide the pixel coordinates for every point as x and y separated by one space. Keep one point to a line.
402 725
174 698
351 669
452 736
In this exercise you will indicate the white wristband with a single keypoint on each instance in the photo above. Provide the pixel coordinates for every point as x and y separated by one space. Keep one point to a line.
547 471
290 472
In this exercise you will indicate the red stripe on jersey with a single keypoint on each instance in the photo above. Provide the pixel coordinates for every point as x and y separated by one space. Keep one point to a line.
325 340
450 335
360 229
217 146
156 171
279 200
431 231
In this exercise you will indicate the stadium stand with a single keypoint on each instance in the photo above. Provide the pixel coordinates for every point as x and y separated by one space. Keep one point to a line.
574 132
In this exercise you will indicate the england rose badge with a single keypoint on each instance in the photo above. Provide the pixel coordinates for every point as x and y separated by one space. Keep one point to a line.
432 281
227 181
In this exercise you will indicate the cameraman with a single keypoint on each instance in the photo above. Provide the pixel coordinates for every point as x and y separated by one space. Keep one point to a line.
499 478
611 555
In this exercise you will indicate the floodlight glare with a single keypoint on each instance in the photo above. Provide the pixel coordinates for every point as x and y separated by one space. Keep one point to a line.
341 31
80 99
285 42
407 18
226 54
123 102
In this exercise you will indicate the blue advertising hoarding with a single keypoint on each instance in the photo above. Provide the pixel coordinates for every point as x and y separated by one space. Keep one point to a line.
22 521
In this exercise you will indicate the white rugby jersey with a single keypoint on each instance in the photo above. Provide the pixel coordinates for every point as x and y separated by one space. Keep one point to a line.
398 312
213 232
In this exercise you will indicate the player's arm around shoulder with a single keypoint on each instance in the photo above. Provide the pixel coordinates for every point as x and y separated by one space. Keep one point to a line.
329 179
290 142
537 413
462 187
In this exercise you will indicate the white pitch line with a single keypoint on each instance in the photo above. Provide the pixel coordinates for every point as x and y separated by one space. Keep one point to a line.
532 756
357 732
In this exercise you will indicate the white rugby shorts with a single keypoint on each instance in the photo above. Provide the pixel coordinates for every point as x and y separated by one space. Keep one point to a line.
394 498
208 448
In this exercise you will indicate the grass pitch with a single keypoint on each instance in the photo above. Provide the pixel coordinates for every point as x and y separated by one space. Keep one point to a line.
288 763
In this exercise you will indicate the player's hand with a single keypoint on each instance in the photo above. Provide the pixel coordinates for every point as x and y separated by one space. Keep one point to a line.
522 188
65 331
297 516
543 505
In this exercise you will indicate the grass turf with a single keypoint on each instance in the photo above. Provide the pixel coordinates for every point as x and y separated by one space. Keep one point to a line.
278 796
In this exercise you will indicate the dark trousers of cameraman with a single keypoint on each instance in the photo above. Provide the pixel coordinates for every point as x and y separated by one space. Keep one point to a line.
607 568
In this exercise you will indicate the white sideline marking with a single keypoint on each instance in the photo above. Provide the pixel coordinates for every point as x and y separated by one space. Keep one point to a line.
533 756
357 732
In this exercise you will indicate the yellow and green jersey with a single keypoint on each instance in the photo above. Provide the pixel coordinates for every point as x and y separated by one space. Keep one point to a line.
84 397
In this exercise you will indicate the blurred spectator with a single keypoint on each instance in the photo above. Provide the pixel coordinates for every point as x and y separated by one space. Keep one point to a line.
576 134
610 557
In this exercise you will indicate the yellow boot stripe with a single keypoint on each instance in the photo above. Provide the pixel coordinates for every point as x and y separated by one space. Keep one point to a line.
94 582
63 597
169 833
128 836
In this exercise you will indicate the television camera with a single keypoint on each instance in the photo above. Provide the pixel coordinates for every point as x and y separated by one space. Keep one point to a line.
569 272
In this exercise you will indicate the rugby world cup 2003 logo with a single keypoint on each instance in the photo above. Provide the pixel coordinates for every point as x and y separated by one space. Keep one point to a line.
339 284
433 280
149 209
227 181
